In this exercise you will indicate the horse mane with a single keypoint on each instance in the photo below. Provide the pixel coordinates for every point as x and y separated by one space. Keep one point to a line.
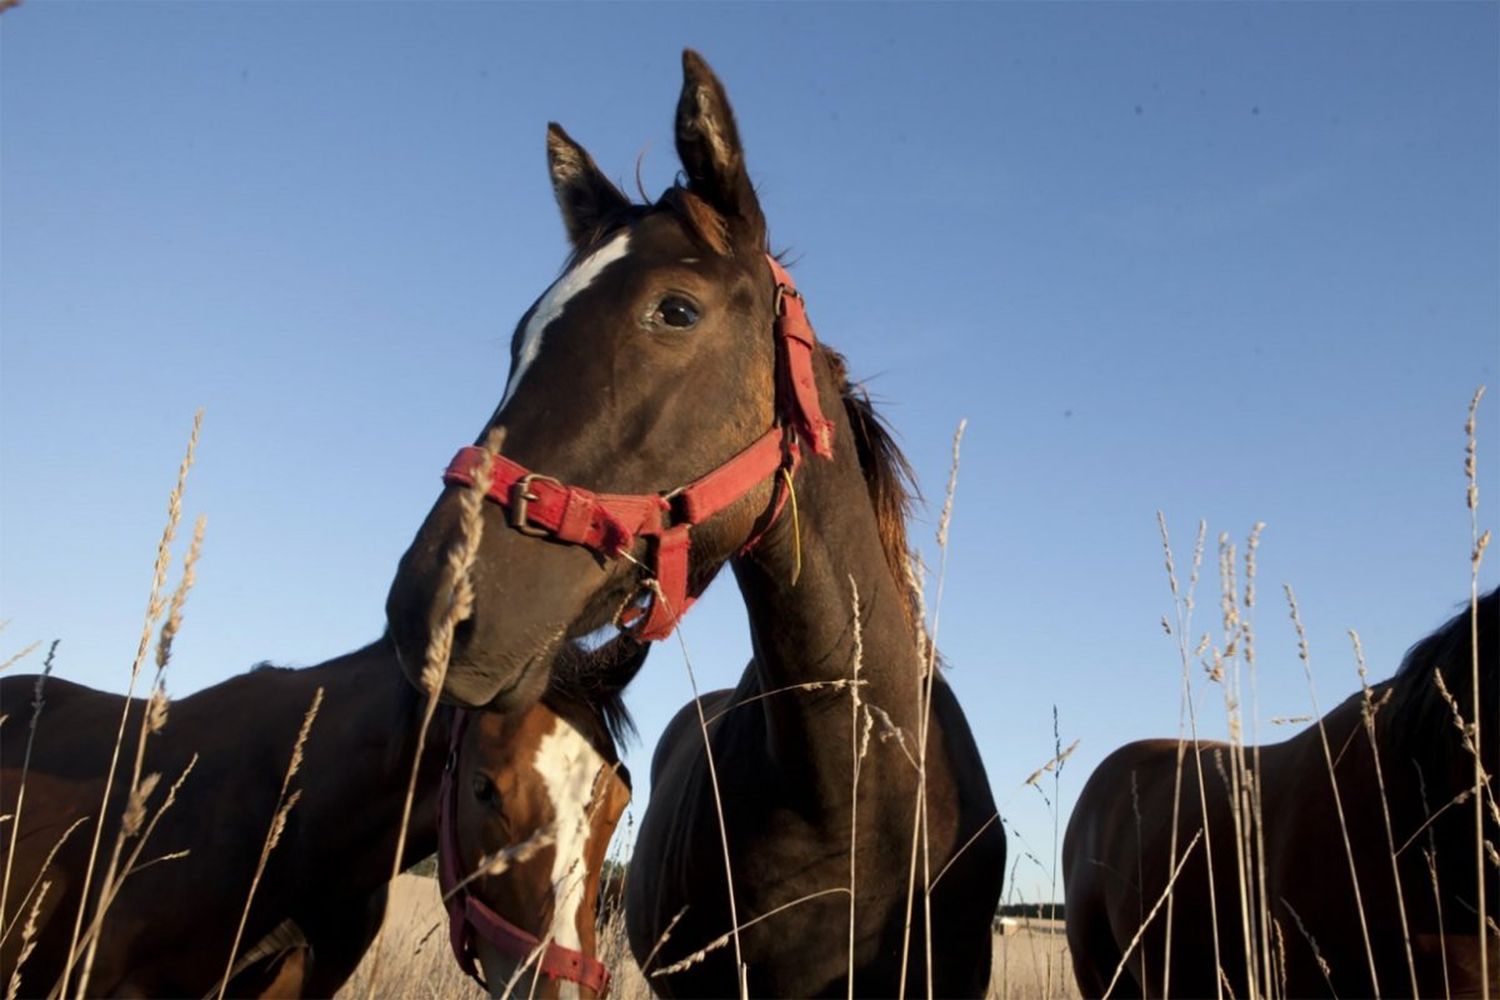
587 687
889 478
265 665
1421 719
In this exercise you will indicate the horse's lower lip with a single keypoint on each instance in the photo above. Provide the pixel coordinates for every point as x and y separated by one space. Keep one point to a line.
468 686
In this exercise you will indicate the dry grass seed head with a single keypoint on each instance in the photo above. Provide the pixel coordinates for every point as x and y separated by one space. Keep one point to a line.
173 624
18 657
135 811
28 943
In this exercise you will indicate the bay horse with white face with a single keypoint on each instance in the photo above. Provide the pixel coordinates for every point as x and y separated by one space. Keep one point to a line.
553 771
1116 854
673 366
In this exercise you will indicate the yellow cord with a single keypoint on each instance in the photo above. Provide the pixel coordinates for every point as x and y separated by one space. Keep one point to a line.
791 490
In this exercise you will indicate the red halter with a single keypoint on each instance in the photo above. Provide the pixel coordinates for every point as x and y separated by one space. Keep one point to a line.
609 523
468 916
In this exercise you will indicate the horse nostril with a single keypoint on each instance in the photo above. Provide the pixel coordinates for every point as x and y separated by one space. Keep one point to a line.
463 633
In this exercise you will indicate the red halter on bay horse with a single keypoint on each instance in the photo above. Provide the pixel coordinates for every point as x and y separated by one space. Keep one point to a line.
1305 930
683 357
550 774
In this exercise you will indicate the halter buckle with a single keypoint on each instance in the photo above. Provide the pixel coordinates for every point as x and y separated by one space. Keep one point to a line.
521 498
784 291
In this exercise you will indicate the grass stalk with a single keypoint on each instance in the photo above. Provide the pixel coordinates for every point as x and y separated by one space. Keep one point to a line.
154 610
1257 813
28 943
460 592
724 939
1226 672
1476 556
1368 710
1304 654
926 678
18 657
1140 932
134 822
1183 604
284 804
741 974
41 873
37 703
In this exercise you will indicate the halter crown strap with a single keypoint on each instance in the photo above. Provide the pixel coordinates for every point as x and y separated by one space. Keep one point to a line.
795 343
469 916
610 523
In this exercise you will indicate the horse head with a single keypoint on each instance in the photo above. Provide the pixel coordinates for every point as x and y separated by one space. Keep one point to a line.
529 804
658 390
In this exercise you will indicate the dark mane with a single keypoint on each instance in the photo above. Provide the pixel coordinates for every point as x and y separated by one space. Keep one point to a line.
888 476
586 689
265 665
1421 721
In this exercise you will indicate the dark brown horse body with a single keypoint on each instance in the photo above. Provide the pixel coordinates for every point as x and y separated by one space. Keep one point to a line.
784 770
658 357
1113 878
169 931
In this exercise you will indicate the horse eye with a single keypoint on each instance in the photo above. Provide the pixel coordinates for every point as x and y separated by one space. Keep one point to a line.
676 311
484 790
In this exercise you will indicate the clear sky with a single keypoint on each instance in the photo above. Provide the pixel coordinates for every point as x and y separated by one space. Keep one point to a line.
1233 262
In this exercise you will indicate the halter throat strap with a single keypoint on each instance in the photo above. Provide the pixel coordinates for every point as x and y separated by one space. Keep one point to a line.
609 524
468 916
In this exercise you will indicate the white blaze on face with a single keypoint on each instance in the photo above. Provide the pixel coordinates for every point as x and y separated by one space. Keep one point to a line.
568 766
556 300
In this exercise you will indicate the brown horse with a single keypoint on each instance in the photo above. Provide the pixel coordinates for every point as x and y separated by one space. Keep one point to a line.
322 896
673 362
549 769
1114 876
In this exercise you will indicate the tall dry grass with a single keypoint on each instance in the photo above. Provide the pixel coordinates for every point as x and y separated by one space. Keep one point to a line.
419 964
84 944
1229 664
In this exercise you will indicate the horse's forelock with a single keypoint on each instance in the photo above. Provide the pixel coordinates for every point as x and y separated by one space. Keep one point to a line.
586 690
701 220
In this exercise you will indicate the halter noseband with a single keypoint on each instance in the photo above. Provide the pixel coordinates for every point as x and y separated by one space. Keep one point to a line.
468 916
610 523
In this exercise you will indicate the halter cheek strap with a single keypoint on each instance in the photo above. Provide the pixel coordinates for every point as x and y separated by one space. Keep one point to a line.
469 917
610 523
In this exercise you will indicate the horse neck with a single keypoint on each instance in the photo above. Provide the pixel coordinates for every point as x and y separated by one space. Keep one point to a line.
804 632
358 762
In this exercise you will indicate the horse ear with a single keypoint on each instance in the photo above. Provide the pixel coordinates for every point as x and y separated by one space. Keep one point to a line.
708 143
584 195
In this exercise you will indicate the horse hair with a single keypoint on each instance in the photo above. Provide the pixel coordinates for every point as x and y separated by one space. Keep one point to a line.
1419 714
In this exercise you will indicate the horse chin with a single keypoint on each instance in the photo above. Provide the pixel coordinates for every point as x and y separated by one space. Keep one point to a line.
498 972
474 682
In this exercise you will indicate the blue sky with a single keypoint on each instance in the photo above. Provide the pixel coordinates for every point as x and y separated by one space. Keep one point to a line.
1231 262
